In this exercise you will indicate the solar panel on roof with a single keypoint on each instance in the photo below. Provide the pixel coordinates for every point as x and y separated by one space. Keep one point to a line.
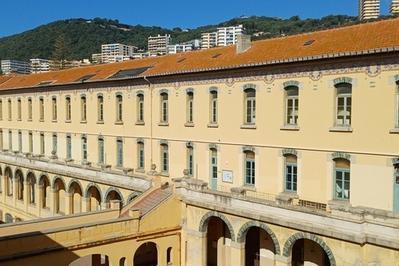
128 73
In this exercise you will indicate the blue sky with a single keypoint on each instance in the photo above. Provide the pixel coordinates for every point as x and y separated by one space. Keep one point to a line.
18 16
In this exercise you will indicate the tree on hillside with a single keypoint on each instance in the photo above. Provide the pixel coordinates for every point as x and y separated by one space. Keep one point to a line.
61 52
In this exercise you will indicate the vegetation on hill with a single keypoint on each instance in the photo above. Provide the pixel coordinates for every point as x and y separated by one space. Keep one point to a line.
84 37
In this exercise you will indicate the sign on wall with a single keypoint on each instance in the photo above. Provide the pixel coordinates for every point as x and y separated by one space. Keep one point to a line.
227 176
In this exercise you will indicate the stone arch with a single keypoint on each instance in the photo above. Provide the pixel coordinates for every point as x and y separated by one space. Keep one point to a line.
70 184
7 170
109 190
42 177
205 219
31 174
244 229
55 180
86 192
300 235
20 172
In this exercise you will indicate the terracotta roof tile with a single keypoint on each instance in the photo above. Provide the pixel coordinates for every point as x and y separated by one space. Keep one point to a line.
357 38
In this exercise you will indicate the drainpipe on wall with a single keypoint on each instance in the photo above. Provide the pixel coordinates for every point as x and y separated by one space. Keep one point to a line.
150 87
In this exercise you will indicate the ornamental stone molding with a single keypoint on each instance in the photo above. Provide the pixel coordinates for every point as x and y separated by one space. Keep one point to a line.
341 155
203 225
291 83
292 239
55 180
242 233
342 80
86 192
109 190
396 77
286 152
213 89
248 149
69 187
249 86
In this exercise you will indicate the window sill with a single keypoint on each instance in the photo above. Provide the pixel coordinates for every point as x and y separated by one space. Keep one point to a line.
290 128
394 130
341 129
164 174
83 122
248 126
163 124
67 121
249 187
118 122
140 170
213 125
337 204
29 120
54 121
140 123
41 120
189 124
100 122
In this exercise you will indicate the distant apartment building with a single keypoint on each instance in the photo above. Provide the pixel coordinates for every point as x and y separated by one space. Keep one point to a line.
228 35
208 40
39 65
394 10
179 48
96 58
116 52
15 66
158 45
369 9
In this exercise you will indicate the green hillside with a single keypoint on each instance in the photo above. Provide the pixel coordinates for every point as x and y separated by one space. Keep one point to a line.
84 37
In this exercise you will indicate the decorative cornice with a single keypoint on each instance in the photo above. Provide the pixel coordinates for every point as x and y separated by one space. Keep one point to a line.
342 80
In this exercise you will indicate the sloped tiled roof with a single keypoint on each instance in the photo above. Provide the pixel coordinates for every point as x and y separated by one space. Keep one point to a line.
373 37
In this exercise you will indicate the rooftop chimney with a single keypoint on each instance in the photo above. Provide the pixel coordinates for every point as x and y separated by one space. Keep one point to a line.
243 43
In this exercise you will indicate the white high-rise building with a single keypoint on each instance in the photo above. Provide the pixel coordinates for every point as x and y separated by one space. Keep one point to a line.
15 66
208 40
369 9
39 65
394 10
116 52
228 35
179 48
158 45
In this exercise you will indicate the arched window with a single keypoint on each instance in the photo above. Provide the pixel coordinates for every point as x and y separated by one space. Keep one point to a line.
164 107
41 109
292 105
140 108
29 109
20 141
140 155
83 108
84 148
213 107
100 108
291 169
54 108
55 144
19 109
119 105
164 158
30 138
190 107
250 106
9 140
249 168
42 144
342 179
190 159
101 151
169 255
343 104
68 146
68 110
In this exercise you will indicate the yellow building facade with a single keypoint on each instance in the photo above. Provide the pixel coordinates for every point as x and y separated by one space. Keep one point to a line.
284 154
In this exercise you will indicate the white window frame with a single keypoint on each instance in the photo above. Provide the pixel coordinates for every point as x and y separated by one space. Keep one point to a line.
164 107
250 107
345 96
249 172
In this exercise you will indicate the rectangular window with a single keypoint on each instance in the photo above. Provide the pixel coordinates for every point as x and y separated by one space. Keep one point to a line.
101 155
291 177
250 106
140 108
30 142
20 141
84 148
83 108
344 105
68 109
249 168
55 145
342 183
41 109
68 147
119 152
190 161
164 158
214 107
54 108
19 107
42 144
9 140
214 164
292 105
100 108
140 155
164 107
9 110
190 107
1 139
30 109
119 105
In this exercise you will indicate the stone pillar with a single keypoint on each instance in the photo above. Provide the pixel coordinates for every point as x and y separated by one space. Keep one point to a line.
54 201
282 260
3 188
39 198
26 195
196 248
68 203
237 251
104 206
14 192
86 204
